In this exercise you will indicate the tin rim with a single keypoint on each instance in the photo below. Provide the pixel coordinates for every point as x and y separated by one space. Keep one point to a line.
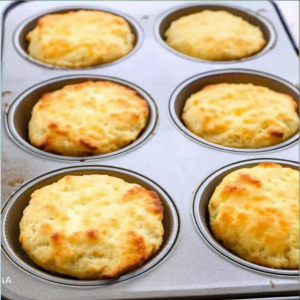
201 219
146 133
170 212
268 27
179 124
134 25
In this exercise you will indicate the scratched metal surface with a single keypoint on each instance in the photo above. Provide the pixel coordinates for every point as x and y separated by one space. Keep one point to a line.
176 163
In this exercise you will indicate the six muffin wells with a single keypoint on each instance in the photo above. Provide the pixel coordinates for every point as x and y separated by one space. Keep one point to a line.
187 49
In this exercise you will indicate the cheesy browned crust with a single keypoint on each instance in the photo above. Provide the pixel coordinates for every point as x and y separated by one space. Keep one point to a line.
92 226
241 115
80 39
215 35
254 212
90 118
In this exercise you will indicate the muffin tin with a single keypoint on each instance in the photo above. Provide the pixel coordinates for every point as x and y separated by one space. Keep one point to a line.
181 168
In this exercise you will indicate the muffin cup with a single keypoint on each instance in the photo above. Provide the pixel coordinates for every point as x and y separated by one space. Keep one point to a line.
191 269
13 212
21 44
201 214
198 82
19 114
165 20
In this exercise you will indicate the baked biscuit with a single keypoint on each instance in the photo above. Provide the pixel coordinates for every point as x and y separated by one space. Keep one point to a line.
80 39
241 115
254 212
215 35
90 118
92 226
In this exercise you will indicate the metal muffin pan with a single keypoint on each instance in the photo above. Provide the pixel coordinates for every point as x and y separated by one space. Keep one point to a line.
201 214
192 268
195 84
13 212
21 44
19 114
175 13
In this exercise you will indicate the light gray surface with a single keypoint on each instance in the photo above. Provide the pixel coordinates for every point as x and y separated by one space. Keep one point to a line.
176 163
290 10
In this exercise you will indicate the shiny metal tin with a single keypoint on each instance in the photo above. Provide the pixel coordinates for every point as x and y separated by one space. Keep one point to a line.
195 84
190 268
201 214
13 213
19 114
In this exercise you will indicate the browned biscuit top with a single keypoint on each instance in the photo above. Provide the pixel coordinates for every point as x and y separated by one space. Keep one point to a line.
90 118
92 226
254 212
241 115
80 38
215 35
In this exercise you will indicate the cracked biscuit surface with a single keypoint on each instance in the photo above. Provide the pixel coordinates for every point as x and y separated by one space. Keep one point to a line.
80 39
254 212
241 115
92 226
215 35
90 118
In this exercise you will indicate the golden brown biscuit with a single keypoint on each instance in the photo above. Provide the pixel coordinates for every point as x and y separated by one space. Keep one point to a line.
241 115
215 35
92 226
80 39
255 213
90 118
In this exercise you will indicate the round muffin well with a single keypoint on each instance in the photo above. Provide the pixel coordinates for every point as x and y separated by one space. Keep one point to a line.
13 212
237 77
90 118
92 226
233 47
58 58
254 212
215 35
204 194
19 115
241 115
80 39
